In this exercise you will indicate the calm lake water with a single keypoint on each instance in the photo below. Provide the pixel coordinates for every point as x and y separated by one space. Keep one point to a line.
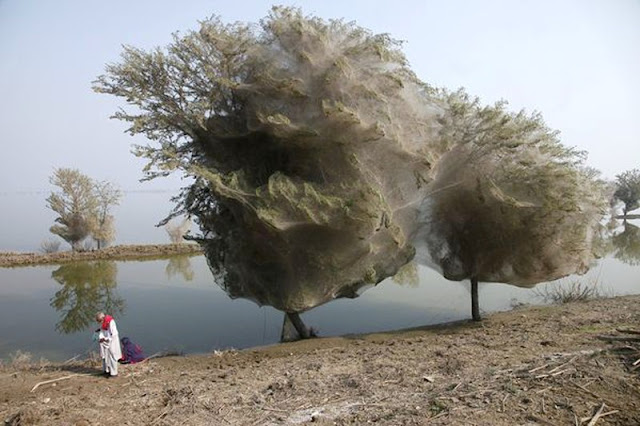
175 305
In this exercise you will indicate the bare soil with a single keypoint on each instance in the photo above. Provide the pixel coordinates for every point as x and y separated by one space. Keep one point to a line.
532 366
121 252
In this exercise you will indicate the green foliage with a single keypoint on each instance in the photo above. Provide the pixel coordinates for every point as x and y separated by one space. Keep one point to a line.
87 288
626 244
628 189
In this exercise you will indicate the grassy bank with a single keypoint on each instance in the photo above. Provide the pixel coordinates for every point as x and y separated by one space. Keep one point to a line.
553 365
120 252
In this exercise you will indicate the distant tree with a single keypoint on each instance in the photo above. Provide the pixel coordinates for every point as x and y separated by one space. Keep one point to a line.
83 208
177 231
628 190
107 196
50 246
75 205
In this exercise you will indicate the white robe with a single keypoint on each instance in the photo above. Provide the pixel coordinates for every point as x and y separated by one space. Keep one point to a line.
110 348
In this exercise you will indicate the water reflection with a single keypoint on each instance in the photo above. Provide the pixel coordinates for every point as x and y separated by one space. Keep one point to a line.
87 287
626 245
180 265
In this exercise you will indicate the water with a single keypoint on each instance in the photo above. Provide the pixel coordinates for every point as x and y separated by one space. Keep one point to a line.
174 304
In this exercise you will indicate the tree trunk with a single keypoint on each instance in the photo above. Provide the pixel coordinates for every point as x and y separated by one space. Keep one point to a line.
475 304
293 328
301 328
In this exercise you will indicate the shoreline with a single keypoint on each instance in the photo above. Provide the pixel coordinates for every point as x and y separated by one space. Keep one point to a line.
115 253
539 365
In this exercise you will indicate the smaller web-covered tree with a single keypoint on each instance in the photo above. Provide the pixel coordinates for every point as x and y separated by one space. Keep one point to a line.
628 190
75 205
177 231
107 196
83 207
509 203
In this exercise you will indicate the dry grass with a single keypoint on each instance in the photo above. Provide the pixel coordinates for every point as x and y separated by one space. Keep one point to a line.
560 365
562 292
121 252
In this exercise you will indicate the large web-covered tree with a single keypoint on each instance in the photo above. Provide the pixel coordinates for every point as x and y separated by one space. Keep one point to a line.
315 153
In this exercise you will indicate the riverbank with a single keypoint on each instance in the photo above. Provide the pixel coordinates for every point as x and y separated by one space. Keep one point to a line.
539 365
120 252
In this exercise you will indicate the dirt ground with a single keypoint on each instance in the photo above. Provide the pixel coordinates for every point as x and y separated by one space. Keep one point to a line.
532 366
121 252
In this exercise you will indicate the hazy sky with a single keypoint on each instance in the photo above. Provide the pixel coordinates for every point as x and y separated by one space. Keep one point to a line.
578 62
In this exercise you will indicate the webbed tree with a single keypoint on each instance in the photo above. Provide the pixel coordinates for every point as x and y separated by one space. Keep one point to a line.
509 203
83 207
313 150
75 204
107 195
628 190
310 144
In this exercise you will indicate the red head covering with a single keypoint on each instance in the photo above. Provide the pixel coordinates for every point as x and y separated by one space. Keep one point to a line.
106 321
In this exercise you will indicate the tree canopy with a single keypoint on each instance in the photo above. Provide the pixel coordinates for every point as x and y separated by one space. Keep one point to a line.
628 190
75 205
321 164
83 207
87 288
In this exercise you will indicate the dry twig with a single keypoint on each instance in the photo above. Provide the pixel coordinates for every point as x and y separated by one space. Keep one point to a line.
58 379
596 416
628 331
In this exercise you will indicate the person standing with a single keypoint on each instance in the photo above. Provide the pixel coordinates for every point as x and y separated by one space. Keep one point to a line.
109 342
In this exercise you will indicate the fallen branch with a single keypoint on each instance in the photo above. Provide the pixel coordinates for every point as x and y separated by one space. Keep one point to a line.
71 359
628 331
596 416
58 379
538 368
618 338
560 366
608 413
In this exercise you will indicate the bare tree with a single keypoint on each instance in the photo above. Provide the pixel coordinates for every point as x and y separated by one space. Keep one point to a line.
50 246
75 205
177 231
